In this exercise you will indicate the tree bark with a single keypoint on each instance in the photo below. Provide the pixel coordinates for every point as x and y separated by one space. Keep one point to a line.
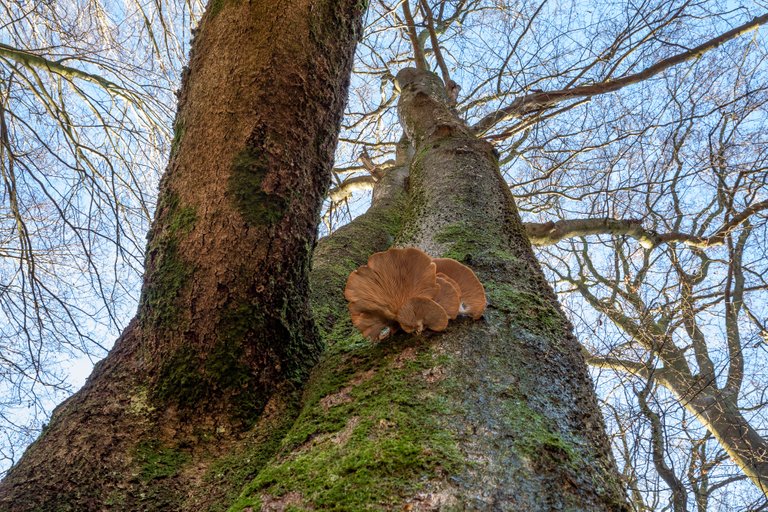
200 397
223 334
496 414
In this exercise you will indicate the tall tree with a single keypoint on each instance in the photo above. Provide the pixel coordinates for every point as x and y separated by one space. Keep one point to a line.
498 413
637 152
223 325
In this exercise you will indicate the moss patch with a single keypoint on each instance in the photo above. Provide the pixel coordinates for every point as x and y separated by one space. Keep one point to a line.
337 256
156 461
140 403
257 207
168 273
240 369
227 475
181 380
378 445
216 6
189 377
178 134
466 243
527 309
536 438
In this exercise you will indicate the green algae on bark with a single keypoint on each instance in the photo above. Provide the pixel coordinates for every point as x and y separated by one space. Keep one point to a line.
167 272
369 435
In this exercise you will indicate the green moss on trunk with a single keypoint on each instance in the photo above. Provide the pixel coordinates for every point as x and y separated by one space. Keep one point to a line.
339 254
216 6
156 461
167 272
258 208
369 435
226 373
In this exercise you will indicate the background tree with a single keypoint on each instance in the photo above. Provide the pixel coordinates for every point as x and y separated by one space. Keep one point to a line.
86 104
216 336
622 168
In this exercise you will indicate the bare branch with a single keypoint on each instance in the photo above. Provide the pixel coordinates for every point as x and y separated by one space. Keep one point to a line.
349 186
541 100
36 61
549 233
418 51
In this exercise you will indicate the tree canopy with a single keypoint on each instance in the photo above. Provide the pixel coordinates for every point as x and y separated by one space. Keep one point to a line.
632 136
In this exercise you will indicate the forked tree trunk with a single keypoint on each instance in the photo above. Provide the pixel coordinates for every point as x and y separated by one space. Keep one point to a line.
223 333
496 414
199 396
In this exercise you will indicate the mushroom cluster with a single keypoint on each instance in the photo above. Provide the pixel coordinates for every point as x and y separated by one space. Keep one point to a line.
409 290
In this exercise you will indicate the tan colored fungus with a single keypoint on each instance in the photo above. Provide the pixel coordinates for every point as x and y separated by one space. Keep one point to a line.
449 295
371 324
406 288
390 279
420 313
472 292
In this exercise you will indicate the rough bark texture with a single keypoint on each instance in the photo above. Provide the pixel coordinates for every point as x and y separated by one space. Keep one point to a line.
526 414
224 333
497 414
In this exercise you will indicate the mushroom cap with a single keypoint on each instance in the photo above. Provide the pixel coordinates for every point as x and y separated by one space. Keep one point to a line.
471 289
390 279
420 313
371 325
449 296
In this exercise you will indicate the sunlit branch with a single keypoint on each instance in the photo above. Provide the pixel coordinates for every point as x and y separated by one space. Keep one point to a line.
349 186
545 99
450 86
549 233
418 51
35 61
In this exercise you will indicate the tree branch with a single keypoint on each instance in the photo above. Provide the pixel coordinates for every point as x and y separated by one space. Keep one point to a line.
35 61
549 233
418 52
679 496
349 186
542 100
451 87
615 363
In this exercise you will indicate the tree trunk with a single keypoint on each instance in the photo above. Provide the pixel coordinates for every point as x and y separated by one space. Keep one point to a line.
200 395
223 334
496 414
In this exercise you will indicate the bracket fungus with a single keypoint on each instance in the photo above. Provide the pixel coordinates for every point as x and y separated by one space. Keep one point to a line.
472 292
407 289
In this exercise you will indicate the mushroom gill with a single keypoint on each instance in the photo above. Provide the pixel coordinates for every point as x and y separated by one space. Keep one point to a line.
449 295
419 313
